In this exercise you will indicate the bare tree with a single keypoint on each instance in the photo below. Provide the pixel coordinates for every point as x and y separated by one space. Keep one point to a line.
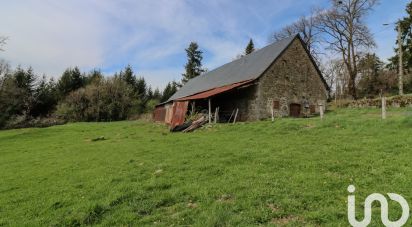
306 26
345 33
3 40
4 68
335 75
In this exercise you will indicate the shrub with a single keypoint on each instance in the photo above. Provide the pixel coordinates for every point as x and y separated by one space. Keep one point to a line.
109 100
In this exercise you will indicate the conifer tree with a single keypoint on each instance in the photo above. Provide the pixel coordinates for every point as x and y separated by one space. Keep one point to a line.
193 66
250 47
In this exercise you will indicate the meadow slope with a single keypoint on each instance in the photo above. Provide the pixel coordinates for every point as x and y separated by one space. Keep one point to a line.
288 172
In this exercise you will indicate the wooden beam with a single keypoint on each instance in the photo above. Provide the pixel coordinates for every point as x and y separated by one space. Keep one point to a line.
273 113
231 115
321 110
383 107
210 111
216 114
234 120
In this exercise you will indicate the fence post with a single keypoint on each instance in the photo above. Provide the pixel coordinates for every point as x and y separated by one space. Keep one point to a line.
321 110
383 107
210 112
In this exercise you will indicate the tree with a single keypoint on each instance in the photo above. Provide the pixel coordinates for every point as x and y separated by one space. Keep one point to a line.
169 90
307 28
250 47
45 98
108 101
26 81
71 80
370 67
16 94
11 99
3 40
193 66
156 94
346 33
94 76
128 76
4 68
141 88
334 74
406 39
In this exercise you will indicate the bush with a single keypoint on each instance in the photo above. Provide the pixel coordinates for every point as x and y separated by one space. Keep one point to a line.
108 100
22 121
395 101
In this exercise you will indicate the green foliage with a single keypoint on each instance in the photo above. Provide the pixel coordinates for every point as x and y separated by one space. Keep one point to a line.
374 81
94 76
46 98
128 76
11 99
18 94
25 100
193 66
110 100
250 48
291 172
169 90
406 37
141 88
71 80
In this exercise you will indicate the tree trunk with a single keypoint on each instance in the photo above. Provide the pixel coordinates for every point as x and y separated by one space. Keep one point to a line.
352 85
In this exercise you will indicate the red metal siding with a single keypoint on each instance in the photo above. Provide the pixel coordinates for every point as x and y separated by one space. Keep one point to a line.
179 113
159 114
214 91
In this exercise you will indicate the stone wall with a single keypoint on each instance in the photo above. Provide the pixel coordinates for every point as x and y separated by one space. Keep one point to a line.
291 79
395 101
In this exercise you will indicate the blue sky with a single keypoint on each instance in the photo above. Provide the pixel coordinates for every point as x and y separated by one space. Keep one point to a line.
151 35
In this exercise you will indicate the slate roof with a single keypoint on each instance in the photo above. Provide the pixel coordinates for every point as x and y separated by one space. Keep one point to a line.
249 67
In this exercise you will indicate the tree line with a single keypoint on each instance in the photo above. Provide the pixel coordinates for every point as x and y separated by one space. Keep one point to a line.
341 32
75 96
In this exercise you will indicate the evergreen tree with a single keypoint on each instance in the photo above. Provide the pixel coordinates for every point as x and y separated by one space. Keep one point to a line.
95 76
169 90
149 94
156 94
45 98
141 88
250 47
406 37
193 66
128 76
11 99
370 67
71 80
26 81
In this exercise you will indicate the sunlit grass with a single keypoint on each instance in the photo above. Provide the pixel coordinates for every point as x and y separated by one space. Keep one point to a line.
287 172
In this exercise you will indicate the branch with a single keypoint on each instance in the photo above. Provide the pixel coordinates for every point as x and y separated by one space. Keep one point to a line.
3 40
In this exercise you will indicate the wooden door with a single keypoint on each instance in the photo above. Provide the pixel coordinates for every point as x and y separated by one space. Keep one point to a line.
295 110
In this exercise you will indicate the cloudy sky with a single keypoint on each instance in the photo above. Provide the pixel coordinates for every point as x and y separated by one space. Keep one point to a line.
151 35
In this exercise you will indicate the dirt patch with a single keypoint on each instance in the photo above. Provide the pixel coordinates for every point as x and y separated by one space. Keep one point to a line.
226 198
285 220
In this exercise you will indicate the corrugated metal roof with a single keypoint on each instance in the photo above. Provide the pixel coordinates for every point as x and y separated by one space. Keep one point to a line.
214 91
249 67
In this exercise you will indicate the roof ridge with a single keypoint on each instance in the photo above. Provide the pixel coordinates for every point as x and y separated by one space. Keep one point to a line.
248 67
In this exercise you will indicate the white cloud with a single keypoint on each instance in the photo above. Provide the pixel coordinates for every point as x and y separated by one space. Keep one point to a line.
50 37
150 35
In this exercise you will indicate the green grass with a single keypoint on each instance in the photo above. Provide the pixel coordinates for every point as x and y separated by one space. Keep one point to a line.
290 172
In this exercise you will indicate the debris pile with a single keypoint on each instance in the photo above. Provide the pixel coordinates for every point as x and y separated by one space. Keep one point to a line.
191 126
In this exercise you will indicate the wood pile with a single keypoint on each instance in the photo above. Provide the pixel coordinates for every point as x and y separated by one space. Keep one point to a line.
191 126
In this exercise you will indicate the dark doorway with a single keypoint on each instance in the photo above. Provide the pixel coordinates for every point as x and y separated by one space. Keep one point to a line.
295 110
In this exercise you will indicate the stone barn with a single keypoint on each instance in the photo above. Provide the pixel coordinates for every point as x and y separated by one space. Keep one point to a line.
279 80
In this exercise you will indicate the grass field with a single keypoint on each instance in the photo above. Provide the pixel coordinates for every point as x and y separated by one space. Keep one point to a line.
290 172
